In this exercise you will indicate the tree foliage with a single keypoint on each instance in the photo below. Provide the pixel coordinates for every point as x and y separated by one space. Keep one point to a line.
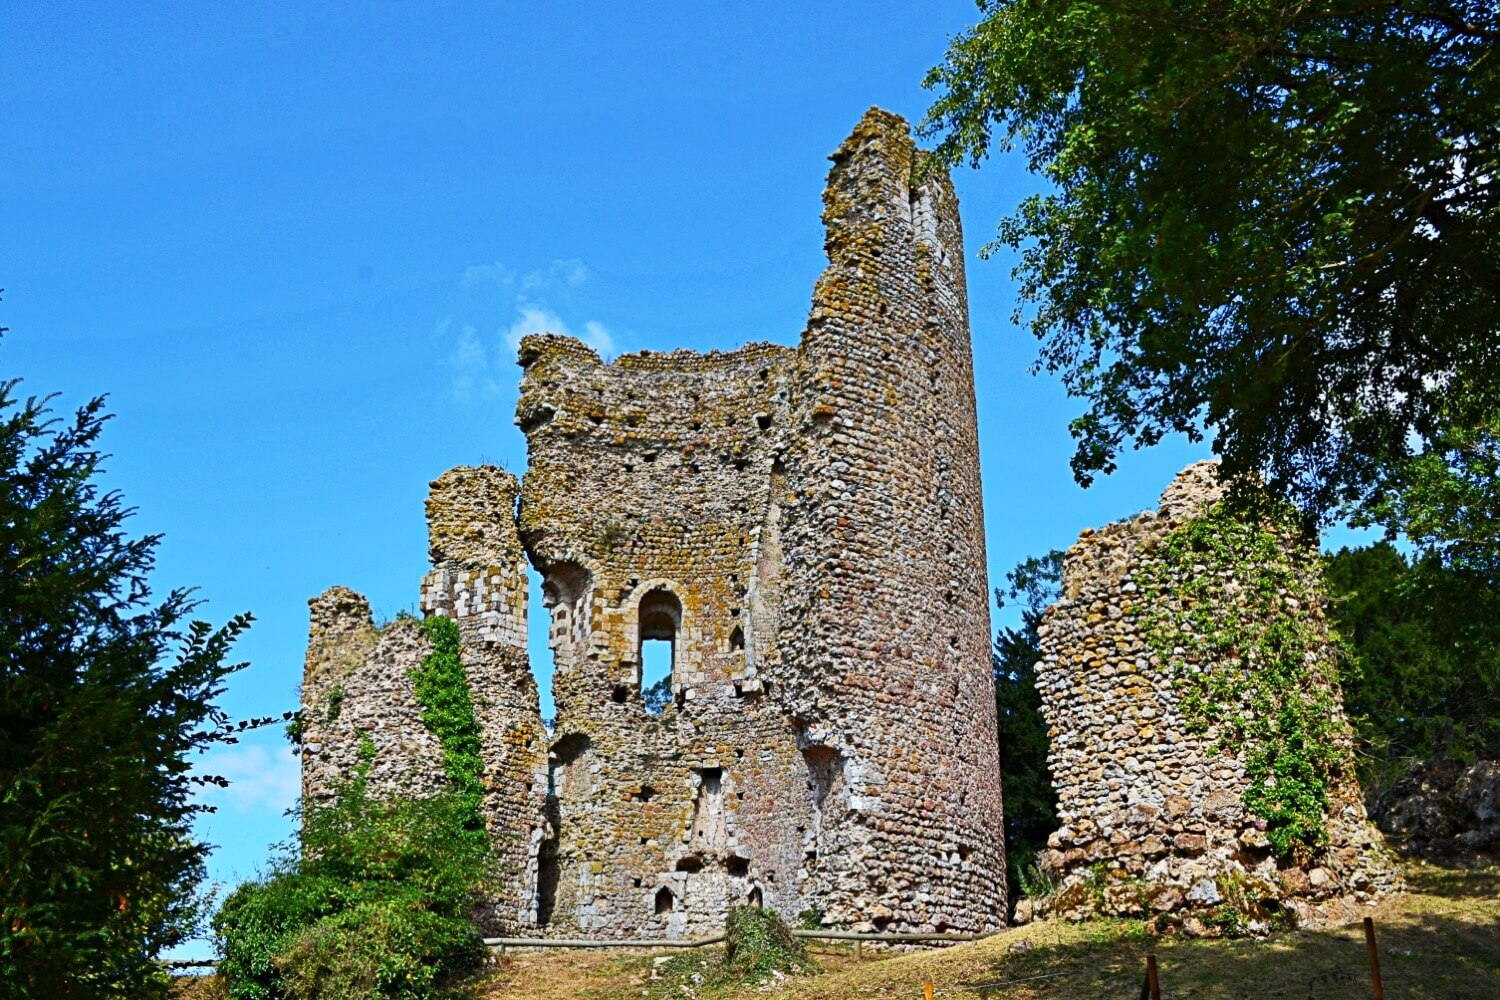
1276 220
1423 677
103 697
1030 799
379 903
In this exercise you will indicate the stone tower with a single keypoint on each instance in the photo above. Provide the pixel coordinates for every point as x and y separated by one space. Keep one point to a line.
803 529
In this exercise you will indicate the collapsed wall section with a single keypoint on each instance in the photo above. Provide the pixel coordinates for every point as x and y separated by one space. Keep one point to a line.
360 712
1163 747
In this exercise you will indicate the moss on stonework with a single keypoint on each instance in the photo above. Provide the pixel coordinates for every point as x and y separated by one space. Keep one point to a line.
1234 615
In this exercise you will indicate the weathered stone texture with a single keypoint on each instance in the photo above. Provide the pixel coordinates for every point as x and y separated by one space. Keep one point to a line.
805 527
1445 809
1152 817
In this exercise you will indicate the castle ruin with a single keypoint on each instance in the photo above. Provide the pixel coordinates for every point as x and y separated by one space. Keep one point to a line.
803 527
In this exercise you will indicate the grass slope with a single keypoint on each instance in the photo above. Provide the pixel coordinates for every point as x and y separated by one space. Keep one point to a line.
1441 941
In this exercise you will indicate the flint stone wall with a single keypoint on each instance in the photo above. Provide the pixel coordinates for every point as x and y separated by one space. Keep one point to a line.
805 527
1152 818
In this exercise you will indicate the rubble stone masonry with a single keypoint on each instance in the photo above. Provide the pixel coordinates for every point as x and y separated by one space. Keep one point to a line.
804 528
1153 814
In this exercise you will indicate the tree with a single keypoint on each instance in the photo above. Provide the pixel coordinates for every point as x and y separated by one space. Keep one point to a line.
1030 799
1273 220
1422 679
103 696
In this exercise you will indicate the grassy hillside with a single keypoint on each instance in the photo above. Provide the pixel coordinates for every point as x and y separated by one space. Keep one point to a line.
1442 940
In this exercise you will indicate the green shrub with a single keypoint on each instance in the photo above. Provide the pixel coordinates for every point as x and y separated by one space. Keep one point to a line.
759 943
379 904
393 947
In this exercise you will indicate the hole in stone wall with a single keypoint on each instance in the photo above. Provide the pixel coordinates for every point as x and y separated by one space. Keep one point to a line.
568 749
738 867
619 695
548 870
664 900
756 898
737 639
708 831
540 656
690 863
825 780
763 421
564 753
537 418
644 794
660 616
656 674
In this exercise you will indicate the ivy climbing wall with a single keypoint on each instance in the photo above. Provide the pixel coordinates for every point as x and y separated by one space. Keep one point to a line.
1200 752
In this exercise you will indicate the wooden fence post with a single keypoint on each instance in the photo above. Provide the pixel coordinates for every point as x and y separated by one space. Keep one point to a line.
1374 959
1150 989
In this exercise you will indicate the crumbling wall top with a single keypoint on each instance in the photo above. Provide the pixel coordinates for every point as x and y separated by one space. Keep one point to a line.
471 517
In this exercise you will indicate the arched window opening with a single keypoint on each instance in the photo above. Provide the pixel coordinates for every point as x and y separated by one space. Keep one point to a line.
737 639
664 901
756 898
660 618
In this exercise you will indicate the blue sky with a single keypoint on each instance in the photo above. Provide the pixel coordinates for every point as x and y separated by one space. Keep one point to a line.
296 244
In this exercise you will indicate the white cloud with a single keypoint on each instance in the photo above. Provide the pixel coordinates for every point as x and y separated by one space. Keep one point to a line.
261 781
567 272
481 363
532 318
488 274
564 272
472 375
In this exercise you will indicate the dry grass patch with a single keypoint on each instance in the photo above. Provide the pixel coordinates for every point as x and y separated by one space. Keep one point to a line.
1441 941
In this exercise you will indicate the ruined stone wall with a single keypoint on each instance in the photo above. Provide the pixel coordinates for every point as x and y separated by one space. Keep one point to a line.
357 695
805 528
1153 817
642 505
